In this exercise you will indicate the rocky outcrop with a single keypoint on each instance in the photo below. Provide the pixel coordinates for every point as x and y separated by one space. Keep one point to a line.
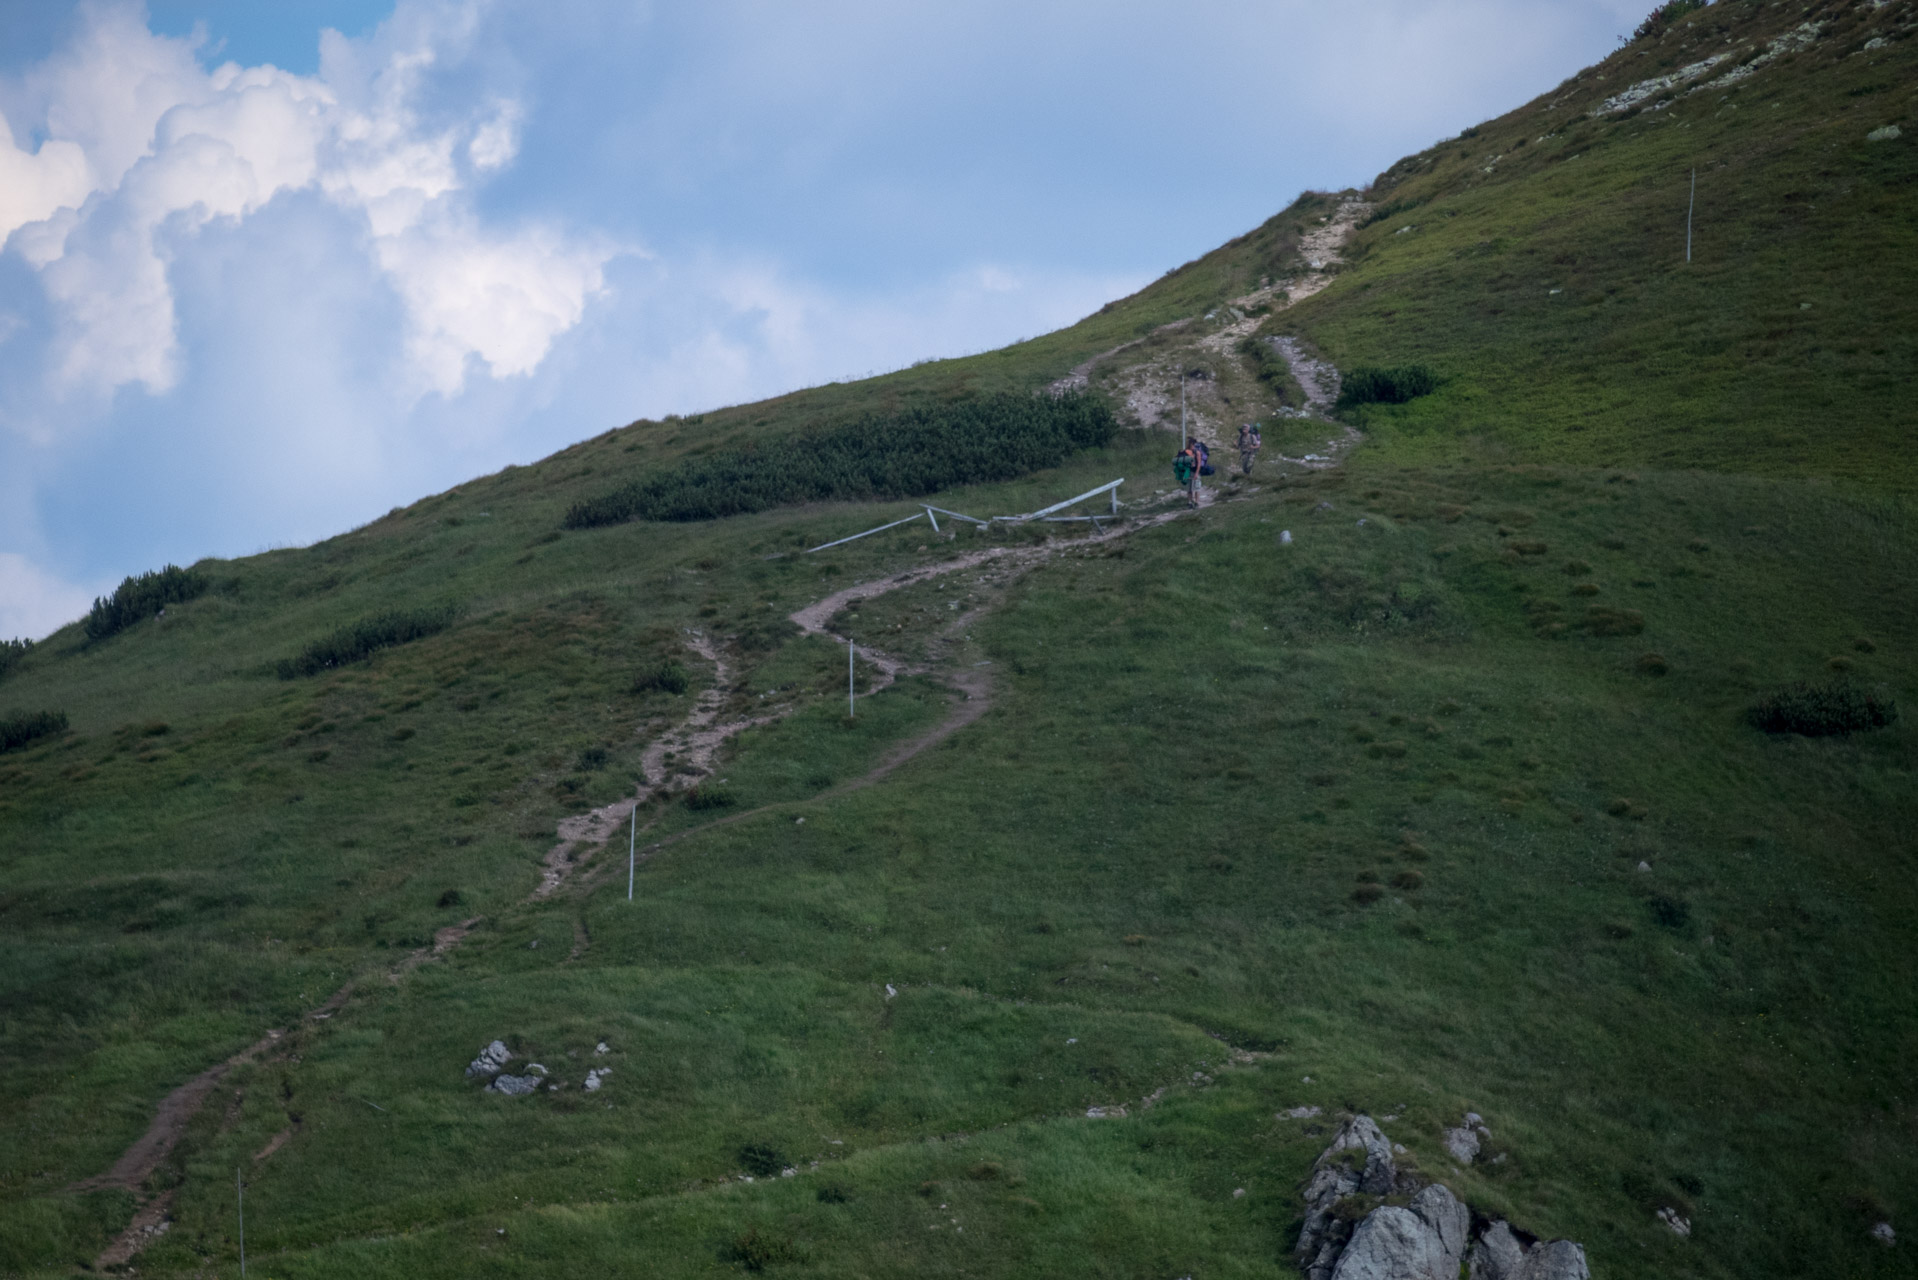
491 1061
1424 1241
1499 1254
1353 1231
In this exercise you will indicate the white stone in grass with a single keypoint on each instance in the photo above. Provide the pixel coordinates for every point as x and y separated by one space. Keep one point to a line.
1644 866
1883 1234
1300 1113
491 1061
601 1048
515 1086
1681 1226
1886 134
1462 1144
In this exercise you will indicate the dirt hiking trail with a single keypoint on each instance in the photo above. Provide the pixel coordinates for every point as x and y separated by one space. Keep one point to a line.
686 755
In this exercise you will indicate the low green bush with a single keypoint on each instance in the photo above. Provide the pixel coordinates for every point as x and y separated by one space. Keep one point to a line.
667 677
905 455
18 728
142 597
709 797
11 651
366 637
1822 710
1372 384
1659 20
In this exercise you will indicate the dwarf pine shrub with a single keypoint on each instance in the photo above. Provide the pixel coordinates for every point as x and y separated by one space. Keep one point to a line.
877 457
1660 20
366 637
1822 710
18 728
1370 384
11 651
142 597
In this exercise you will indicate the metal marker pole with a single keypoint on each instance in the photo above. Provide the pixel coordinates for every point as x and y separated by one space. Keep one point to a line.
849 703
632 845
239 1189
1688 216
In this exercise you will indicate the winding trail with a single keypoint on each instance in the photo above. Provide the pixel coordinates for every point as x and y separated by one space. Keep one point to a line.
694 744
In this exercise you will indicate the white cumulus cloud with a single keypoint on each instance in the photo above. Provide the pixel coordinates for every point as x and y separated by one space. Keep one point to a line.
143 147
34 603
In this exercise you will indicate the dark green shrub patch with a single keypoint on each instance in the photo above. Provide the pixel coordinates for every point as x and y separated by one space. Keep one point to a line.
1370 384
761 1159
1660 20
1821 710
18 728
366 637
142 597
667 677
709 797
11 651
903 455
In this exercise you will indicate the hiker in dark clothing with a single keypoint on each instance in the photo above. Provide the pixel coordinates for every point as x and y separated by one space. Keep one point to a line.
1250 442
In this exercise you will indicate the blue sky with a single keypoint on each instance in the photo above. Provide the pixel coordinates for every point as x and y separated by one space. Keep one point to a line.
269 269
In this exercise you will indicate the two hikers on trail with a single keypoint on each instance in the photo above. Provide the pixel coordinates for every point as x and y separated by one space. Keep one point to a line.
1250 442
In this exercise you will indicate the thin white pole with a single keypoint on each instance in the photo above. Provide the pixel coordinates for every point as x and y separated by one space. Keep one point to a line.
933 518
632 845
239 1189
1183 438
1688 216
849 702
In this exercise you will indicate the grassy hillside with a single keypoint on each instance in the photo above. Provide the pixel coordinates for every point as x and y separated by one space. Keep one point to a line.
1451 802
1539 262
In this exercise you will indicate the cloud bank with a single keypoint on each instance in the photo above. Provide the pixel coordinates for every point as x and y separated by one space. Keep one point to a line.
144 148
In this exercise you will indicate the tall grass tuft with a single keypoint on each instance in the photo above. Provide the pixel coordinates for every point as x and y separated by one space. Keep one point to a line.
142 597
1822 710
903 455
18 728
368 636
1370 384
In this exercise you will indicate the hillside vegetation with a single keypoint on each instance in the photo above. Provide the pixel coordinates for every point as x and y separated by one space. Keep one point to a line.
1503 785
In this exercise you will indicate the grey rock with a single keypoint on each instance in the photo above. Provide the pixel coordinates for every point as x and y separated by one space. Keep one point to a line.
1358 1161
1461 1144
491 1061
515 1086
1498 1254
1889 133
1678 1222
1423 1242
1300 1113
1883 1234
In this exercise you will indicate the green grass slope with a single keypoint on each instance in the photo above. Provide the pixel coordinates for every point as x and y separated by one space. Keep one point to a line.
1539 262
1450 803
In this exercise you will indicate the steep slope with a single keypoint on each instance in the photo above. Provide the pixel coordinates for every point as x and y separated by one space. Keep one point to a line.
1449 802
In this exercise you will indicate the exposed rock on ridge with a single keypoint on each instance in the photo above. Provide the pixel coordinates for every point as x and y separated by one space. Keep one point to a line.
1350 1233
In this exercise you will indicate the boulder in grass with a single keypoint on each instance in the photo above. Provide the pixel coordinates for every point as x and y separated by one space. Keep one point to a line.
491 1061
1424 1241
515 1086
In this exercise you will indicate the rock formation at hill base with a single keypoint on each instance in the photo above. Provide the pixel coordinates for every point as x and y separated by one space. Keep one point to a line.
1427 1238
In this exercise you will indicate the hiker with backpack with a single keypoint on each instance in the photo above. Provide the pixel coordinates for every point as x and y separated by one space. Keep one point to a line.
1185 467
1250 442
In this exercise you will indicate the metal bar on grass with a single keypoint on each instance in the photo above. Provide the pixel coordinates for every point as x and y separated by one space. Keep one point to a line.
960 515
935 522
1061 506
917 515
